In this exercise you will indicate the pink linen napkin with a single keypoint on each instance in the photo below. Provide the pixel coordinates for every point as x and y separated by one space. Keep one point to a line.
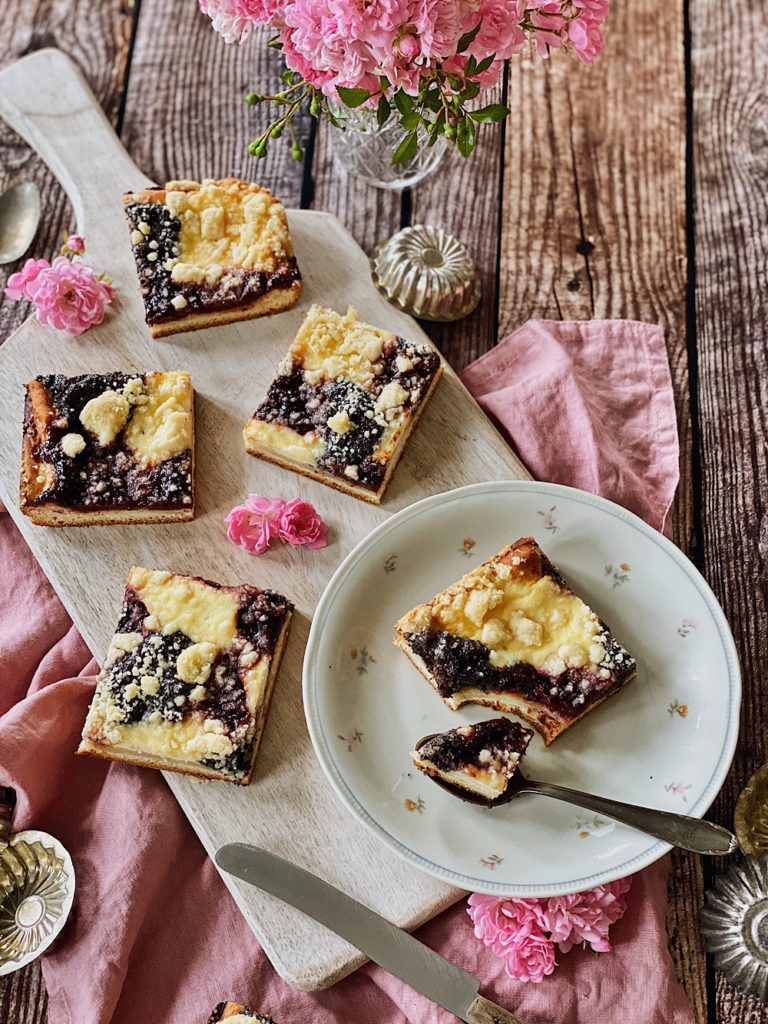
154 935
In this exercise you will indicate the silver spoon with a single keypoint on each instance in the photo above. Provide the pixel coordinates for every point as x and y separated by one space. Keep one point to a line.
679 830
19 217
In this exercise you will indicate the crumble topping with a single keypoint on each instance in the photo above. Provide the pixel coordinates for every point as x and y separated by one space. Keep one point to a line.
210 246
111 440
342 396
166 691
513 628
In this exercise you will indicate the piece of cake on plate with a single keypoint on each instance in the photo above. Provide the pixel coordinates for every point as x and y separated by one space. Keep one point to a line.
210 253
108 448
479 758
188 677
513 636
236 1013
343 403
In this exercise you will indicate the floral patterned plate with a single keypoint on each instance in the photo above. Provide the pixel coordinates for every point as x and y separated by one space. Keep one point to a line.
665 741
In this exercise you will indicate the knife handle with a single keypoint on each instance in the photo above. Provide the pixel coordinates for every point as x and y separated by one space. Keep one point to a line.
483 1011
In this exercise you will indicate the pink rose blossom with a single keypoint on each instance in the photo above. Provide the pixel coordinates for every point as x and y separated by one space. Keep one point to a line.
234 20
75 244
260 520
524 932
584 32
67 294
300 524
70 296
19 283
254 524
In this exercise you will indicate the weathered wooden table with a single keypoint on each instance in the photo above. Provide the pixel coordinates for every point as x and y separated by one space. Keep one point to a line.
636 189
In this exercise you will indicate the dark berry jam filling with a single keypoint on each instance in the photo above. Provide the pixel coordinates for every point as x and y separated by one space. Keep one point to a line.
451 750
102 477
162 242
457 662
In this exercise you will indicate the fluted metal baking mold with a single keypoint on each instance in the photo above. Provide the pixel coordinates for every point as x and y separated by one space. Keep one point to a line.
427 272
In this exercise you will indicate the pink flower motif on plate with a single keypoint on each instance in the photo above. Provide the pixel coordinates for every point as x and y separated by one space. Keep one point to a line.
685 627
678 789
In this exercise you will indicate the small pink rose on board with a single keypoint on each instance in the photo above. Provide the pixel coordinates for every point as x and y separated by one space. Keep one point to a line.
300 524
67 294
20 283
260 520
74 245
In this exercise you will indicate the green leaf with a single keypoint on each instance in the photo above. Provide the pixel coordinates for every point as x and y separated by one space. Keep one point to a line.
275 43
403 102
493 112
406 150
485 63
471 89
411 121
467 38
465 137
384 82
471 67
352 97
383 110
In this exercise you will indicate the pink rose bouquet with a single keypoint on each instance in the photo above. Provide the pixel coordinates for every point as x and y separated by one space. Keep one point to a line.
423 62
524 932
260 520
66 294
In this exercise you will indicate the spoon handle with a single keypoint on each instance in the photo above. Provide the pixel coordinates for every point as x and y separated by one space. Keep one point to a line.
680 830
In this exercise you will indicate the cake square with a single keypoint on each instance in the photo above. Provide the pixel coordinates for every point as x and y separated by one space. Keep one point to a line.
209 253
236 1013
343 403
106 448
189 676
513 636
480 758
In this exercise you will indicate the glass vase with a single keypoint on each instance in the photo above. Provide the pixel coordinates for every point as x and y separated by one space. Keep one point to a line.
365 150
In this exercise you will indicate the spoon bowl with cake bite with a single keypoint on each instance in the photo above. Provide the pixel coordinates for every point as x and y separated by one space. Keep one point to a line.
480 765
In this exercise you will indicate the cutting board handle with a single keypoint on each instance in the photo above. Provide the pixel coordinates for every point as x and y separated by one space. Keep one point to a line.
45 98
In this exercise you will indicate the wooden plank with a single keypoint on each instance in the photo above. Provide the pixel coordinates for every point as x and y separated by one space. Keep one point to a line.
464 196
729 69
593 225
184 110
97 37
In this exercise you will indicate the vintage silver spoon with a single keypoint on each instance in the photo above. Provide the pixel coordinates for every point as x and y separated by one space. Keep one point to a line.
19 217
679 830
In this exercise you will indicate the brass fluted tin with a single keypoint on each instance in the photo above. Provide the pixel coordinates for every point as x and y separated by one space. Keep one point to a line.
37 887
734 923
427 272
750 817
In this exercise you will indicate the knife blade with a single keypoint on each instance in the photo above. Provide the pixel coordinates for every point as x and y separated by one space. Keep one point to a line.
390 947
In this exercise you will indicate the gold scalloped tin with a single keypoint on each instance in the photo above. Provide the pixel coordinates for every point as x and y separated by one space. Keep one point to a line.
37 886
750 816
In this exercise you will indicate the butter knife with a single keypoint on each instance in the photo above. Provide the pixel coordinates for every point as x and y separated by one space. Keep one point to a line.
390 947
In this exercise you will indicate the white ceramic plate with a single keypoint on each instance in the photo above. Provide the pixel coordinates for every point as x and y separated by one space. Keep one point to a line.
665 741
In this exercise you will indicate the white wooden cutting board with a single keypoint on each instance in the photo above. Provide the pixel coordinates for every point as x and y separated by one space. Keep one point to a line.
289 808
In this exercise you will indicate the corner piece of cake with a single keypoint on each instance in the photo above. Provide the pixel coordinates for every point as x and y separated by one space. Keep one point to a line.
479 758
189 676
513 636
209 253
343 403
236 1013
106 448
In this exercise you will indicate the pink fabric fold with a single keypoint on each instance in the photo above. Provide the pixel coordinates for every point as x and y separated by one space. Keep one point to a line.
154 935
